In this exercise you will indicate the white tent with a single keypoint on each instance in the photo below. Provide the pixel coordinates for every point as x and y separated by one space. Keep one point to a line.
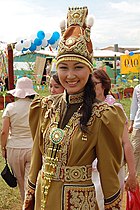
96 53
136 52
106 53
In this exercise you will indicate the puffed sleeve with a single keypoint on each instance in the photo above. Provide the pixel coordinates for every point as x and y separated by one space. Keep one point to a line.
36 158
35 126
109 154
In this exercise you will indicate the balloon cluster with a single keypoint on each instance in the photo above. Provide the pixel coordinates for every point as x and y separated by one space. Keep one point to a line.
38 41
129 53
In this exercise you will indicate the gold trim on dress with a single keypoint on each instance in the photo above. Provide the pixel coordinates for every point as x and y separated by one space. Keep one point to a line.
79 197
54 137
73 173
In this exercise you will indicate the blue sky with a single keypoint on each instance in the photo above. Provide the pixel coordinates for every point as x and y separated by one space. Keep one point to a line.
115 21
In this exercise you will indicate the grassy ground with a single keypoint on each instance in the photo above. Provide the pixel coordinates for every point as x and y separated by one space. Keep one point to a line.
10 198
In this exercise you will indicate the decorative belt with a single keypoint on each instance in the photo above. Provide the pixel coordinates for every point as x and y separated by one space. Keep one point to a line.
73 173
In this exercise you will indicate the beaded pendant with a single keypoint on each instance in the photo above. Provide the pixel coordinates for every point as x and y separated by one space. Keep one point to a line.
57 135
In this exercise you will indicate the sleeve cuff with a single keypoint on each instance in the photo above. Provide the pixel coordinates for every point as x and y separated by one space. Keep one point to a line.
113 202
31 185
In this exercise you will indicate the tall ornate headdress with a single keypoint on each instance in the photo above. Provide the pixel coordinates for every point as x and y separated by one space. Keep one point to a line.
75 43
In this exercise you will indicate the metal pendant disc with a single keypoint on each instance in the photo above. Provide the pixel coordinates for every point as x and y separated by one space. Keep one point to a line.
57 135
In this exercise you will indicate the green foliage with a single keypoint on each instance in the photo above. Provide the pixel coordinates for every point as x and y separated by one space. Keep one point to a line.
3 93
126 103
42 90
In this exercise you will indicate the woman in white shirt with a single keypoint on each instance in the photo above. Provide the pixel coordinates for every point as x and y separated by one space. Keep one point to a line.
16 139
135 126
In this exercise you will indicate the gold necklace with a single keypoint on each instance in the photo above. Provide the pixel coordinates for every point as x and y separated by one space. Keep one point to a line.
57 134
57 137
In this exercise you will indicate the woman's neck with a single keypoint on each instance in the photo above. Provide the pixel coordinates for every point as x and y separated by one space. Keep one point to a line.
101 97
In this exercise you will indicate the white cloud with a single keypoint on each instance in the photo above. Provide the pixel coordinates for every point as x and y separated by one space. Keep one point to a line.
115 22
127 7
22 19
118 23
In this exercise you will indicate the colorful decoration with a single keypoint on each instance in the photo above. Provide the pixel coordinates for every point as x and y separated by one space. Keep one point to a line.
38 41
126 52
131 53
41 35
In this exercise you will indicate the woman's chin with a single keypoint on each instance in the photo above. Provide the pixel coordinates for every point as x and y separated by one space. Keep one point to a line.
74 91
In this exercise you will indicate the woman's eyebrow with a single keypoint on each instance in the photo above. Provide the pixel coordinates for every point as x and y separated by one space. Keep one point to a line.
63 64
78 63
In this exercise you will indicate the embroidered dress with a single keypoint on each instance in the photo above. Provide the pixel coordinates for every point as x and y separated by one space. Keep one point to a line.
62 155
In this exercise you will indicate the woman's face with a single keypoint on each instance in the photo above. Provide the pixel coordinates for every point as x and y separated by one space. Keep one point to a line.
55 88
98 88
73 76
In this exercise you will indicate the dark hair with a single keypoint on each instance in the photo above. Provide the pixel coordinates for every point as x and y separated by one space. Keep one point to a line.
89 99
104 79
56 79
31 97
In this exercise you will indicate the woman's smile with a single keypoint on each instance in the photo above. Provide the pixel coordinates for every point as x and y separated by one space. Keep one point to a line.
72 84
73 76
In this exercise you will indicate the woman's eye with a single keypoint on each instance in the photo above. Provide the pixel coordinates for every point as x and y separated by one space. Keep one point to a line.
79 67
63 67
56 86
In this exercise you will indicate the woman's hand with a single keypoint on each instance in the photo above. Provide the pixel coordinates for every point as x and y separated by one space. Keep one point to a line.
130 129
29 200
4 153
131 182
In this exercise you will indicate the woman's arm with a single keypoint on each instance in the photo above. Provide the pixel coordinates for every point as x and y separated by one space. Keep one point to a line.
36 158
109 154
134 104
4 134
131 181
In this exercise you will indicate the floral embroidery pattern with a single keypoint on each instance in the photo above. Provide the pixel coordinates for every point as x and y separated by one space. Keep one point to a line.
79 197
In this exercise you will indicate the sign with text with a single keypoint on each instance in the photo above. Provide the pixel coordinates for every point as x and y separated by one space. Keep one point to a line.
130 63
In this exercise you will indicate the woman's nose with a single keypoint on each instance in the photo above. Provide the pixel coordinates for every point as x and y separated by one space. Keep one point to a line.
71 75
52 90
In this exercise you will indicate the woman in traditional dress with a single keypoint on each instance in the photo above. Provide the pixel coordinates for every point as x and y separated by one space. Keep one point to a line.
71 129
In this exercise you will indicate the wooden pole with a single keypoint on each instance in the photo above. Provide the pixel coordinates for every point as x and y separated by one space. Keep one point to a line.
10 67
115 69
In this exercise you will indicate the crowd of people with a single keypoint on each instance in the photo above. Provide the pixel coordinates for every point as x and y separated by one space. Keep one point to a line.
69 150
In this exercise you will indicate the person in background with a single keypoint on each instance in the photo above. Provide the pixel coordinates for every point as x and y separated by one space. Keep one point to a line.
16 139
48 68
134 127
46 73
70 130
6 82
2 84
102 85
55 86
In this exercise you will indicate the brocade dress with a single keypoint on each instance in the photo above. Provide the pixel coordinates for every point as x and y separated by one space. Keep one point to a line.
62 154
